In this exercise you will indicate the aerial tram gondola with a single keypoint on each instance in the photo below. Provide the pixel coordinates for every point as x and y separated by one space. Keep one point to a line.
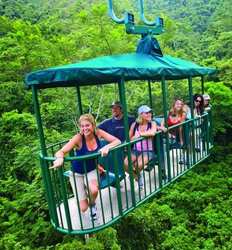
119 194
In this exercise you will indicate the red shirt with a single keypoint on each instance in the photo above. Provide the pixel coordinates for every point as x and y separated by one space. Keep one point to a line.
174 119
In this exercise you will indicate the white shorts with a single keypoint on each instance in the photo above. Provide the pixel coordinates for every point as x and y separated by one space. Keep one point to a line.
81 183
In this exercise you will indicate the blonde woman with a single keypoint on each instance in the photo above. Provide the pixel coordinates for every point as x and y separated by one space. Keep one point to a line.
176 116
86 142
143 150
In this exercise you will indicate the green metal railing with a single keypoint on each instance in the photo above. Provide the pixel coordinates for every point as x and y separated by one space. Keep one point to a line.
119 193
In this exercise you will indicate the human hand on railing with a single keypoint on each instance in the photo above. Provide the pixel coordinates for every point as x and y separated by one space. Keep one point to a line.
104 151
162 128
57 163
101 170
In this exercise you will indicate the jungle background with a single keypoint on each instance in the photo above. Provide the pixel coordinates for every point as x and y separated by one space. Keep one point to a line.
193 213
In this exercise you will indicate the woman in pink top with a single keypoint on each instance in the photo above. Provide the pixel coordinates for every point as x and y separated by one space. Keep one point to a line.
142 151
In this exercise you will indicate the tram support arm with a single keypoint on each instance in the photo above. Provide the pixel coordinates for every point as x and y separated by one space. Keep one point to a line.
122 95
165 107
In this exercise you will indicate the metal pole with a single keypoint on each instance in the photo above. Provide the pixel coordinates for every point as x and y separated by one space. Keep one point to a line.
161 168
44 165
142 16
190 85
202 85
112 14
80 111
150 94
115 164
122 96
164 96
39 121
206 128
165 108
192 116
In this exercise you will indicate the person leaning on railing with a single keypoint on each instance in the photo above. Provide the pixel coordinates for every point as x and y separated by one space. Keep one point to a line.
208 125
176 116
87 142
198 123
198 105
207 105
142 151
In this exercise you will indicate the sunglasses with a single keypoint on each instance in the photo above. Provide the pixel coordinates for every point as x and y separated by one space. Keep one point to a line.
197 100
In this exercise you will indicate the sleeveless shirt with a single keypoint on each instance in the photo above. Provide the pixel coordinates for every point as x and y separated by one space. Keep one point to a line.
145 144
91 164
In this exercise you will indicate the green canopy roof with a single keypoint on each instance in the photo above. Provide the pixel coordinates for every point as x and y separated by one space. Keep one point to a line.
109 69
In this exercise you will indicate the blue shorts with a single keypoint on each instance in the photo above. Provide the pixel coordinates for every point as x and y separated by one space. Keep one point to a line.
149 154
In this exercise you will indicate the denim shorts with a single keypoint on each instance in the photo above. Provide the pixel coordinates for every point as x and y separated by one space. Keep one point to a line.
149 154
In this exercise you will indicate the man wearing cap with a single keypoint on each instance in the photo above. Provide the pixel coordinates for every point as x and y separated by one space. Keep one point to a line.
207 105
115 125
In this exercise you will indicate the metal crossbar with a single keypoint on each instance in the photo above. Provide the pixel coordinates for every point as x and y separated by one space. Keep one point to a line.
151 27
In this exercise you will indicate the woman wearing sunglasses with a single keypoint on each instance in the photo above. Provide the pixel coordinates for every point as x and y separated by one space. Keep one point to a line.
142 152
198 105
198 112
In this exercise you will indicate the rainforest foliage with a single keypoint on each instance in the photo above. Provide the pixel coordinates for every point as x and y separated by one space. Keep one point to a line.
194 213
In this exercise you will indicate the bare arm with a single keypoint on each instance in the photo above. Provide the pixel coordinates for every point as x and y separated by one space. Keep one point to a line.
162 126
184 116
172 119
113 141
131 132
75 141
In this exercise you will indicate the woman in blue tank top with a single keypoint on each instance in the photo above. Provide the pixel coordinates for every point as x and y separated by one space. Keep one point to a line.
86 142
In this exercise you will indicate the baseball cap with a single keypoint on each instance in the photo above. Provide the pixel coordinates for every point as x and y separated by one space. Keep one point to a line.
206 97
116 103
143 109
